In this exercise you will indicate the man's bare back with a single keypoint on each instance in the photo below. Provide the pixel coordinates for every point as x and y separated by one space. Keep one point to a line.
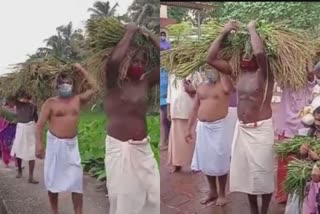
64 116
214 101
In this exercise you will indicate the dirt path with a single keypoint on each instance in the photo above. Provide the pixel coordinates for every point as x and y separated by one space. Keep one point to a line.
19 197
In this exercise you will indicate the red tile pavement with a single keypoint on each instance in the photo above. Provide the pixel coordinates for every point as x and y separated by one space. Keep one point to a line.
182 192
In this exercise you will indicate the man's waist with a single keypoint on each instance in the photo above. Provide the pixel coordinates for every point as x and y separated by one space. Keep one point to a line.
25 121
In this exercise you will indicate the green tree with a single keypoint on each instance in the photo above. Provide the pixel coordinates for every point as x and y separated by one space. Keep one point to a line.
180 30
295 14
146 13
102 9
66 45
178 13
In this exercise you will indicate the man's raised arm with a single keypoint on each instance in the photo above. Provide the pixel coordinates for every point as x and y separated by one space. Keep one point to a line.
220 64
154 77
85 96
258 49
118 54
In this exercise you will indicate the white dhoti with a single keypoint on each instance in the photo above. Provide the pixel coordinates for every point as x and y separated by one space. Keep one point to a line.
212 150
231 121
62 165
24 144
252 162
133 179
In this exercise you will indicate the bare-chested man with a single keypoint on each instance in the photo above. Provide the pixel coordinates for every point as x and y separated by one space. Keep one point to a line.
62 165
213 149
252 167
133 177
23 147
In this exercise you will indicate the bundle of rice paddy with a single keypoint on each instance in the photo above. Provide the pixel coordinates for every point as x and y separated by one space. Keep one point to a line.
288 51
299 173
104 34
292 146
37 78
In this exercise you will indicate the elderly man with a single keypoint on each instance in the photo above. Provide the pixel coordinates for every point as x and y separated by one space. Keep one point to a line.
252 167
62 164
213 137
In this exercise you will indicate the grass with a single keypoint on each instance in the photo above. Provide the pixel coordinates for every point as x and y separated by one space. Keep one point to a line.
92 134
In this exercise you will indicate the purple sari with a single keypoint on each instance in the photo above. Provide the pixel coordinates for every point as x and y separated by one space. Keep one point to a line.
7 134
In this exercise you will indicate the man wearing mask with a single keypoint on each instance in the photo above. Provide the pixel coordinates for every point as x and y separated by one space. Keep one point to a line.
211 132
23 147
164 122
252 166
133 179
62 164
164 43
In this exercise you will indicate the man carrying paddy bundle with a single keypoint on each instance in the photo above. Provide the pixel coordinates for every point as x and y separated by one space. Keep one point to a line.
23 147
62 164
133 179
252 167
213 137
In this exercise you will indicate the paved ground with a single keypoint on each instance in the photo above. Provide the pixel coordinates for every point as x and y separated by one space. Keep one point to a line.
182 192
19 197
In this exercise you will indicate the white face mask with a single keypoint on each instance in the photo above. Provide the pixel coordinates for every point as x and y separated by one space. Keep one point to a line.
65 90
212 76
163 38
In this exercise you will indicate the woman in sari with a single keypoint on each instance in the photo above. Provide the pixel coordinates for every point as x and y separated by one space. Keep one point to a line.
7 130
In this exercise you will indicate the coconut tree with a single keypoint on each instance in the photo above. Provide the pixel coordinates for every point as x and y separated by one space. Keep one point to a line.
145 13
102 9
66 45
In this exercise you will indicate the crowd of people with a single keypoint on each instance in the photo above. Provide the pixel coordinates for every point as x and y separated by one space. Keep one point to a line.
210 123
133 180
227 128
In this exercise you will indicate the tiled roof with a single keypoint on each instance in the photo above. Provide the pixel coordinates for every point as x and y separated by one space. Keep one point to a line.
191 5
166 21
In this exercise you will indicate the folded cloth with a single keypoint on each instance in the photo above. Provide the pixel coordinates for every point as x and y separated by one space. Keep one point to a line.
212 151
24 144
62 165
133 179
252 162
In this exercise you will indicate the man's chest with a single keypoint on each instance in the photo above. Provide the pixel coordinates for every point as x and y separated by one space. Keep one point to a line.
250 84
65 109
207 91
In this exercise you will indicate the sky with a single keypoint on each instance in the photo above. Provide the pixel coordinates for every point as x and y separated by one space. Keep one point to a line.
26 24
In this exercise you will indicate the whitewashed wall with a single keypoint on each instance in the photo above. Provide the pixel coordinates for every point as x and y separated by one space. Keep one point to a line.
163 11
